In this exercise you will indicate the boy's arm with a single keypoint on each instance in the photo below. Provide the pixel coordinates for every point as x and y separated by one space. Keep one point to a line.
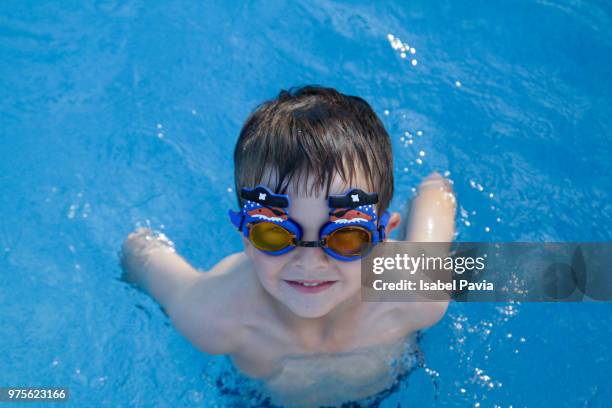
193 300
150 262
431 218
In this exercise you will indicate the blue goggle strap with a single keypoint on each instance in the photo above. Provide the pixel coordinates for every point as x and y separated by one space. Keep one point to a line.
382 225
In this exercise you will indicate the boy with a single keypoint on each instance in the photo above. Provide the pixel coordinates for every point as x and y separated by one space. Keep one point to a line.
314 178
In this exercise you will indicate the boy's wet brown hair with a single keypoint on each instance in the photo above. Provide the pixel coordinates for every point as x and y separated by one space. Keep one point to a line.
319 132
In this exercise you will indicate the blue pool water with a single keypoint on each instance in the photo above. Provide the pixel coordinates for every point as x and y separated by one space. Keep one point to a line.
115 114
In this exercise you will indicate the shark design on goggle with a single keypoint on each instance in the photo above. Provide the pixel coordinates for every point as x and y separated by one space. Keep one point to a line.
351 232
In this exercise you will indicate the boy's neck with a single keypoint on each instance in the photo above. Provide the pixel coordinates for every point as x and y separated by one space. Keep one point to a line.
325 333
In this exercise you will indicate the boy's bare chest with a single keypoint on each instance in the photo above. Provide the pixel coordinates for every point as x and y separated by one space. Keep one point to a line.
329 378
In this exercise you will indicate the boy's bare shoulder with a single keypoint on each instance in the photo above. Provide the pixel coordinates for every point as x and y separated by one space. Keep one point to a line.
228 265
387 321
230 277
210 312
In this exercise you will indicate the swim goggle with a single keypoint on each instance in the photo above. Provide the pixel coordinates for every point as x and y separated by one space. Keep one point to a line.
351 232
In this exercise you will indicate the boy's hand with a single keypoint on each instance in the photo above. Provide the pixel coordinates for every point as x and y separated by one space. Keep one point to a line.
134 254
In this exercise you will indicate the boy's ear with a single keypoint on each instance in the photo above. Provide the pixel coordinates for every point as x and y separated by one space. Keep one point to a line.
394 220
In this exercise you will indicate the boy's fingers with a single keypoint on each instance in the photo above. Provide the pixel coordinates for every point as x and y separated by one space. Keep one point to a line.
435 180
138 232
134 240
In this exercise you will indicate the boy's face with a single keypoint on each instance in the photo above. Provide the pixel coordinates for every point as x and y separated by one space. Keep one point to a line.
306 280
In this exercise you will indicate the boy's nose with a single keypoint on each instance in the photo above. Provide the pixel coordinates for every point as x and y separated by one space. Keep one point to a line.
310 258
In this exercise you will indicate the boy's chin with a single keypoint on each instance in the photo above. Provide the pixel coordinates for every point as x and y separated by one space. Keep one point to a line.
310 311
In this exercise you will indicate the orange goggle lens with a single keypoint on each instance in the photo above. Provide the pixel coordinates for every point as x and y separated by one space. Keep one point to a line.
349 241
346 241
268 236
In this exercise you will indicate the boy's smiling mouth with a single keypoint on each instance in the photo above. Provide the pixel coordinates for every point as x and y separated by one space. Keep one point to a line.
310 286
